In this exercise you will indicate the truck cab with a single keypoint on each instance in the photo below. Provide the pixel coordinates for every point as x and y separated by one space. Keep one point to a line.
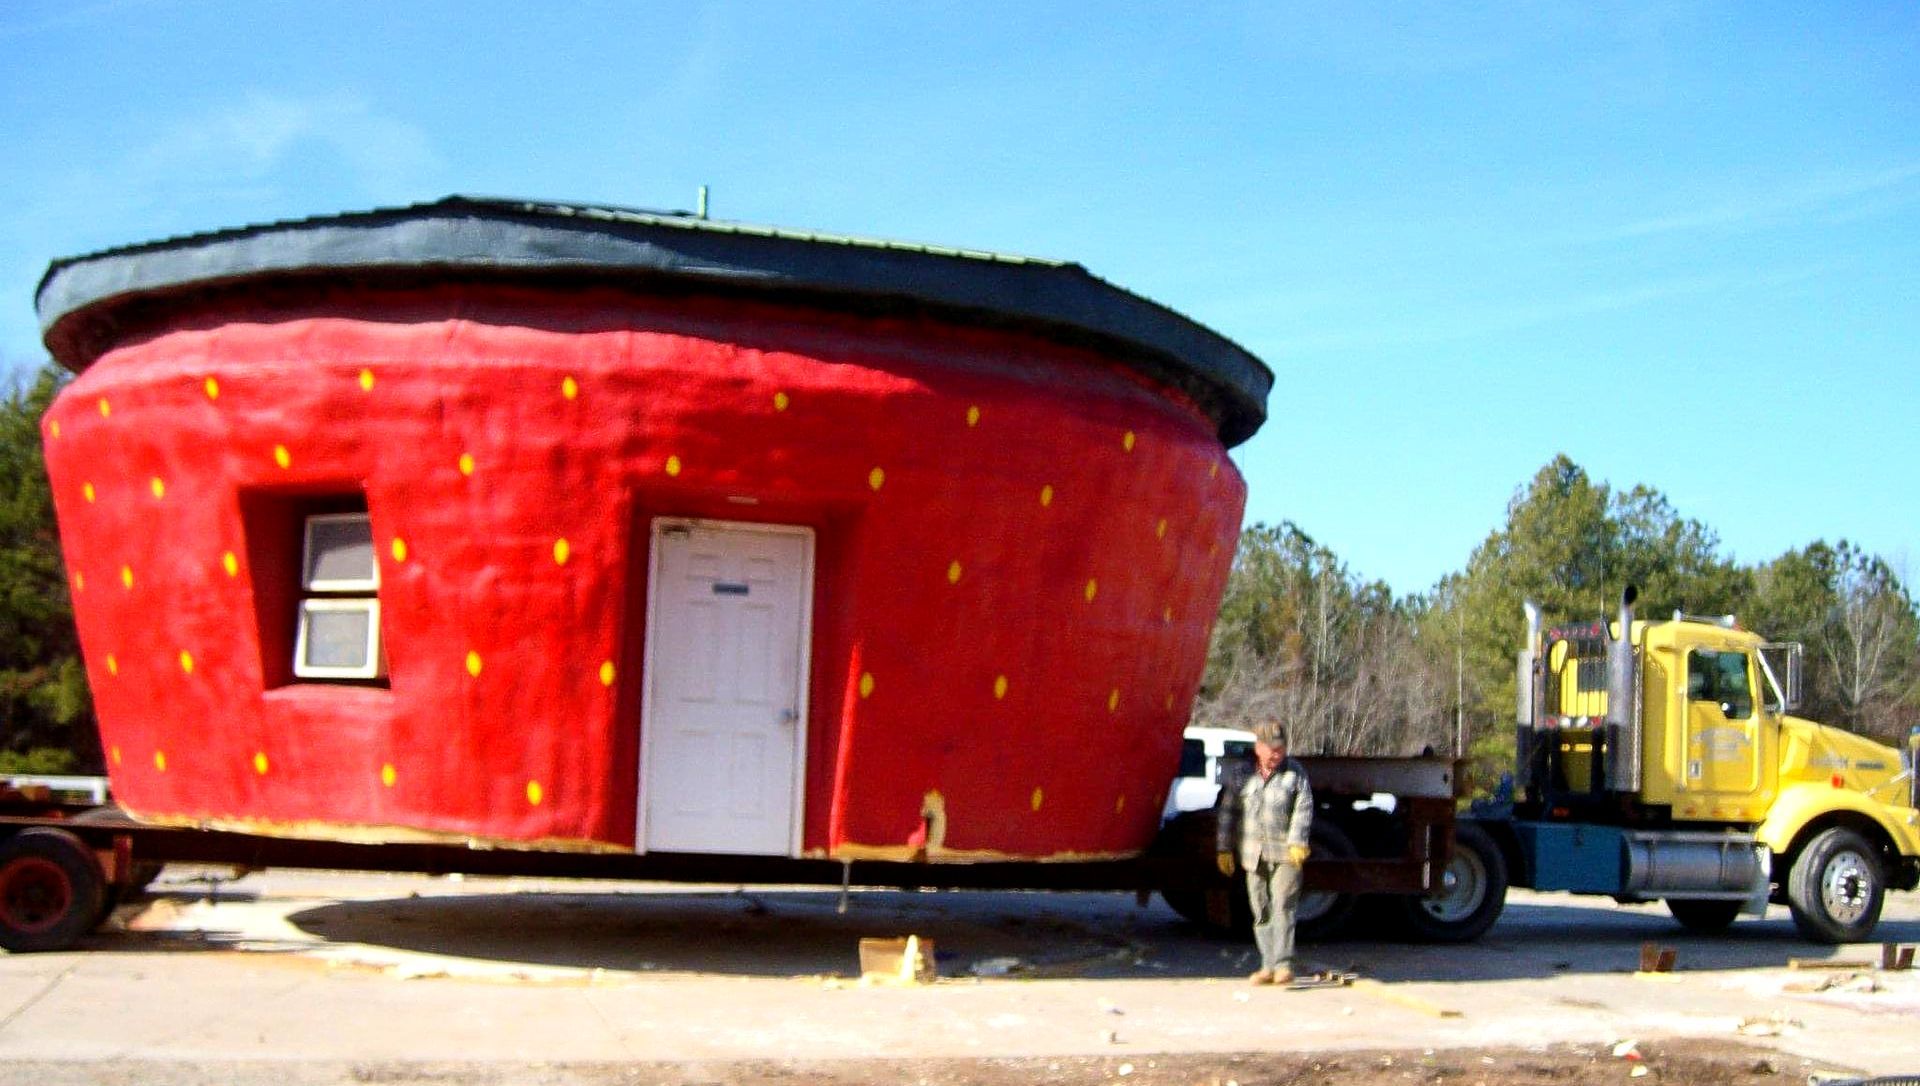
1660 759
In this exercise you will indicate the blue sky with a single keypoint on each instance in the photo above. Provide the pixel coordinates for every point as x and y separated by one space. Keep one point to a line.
1679 242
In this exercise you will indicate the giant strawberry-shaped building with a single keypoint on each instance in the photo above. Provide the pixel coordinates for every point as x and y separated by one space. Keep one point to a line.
567 527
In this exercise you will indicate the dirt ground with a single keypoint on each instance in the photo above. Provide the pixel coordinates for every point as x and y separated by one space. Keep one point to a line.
1691 1063
300 979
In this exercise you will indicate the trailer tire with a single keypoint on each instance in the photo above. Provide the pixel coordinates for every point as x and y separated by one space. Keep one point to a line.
1473 891
1321 915
144 871
51 890
1704 916
1836 887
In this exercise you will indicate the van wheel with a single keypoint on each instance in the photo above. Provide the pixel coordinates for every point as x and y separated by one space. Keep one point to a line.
1836 888
51 890
1472 891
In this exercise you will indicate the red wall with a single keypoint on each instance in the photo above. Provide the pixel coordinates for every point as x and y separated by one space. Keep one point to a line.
1095 605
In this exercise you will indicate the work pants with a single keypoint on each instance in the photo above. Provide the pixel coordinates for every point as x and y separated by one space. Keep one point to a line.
1274 891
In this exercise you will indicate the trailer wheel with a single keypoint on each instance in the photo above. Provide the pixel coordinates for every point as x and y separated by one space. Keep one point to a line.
51 890
144 871
1472 892
1836 888
1704 916
1321 914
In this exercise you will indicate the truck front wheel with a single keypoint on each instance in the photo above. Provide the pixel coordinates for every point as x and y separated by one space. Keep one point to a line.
1472 891
1836 887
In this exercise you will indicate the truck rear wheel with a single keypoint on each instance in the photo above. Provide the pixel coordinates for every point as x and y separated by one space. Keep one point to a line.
1836 887
1322 914
51 890
1704 916
1472 891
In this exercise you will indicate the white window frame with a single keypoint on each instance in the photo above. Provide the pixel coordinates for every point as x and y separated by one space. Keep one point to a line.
307 580
376 665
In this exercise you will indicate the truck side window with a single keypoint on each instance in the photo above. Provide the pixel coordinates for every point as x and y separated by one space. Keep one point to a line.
1721 677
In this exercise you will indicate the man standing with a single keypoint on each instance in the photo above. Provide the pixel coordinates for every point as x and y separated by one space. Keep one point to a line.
1266 818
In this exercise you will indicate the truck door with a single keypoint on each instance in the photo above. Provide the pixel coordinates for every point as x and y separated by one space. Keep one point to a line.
1723 749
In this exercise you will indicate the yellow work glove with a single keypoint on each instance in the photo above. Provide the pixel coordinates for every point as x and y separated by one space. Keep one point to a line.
1298 854
1224 861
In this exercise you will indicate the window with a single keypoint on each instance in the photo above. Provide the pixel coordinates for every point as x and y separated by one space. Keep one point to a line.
1721 677
338 628
1193 758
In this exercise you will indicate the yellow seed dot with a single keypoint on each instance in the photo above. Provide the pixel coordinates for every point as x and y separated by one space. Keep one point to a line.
115 755
231 563
1046 494
87 491
388 775
113 665
399 549
535 793
1119 804
473 663
673 465
999 687
1166 614
569 388
158 486
953 572
1213 548
866 684
562 550
606 673
126 577
1213 470
1113 699
1093 589
260 763
973 416
54 428
466 463
1160 529
366 380
1127 441
1169 702
213 389
79 581
876 478
780 401
186 661
105 407
282 457
160 760
1037 797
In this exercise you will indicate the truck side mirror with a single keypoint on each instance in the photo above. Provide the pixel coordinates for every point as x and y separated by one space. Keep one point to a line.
1782 663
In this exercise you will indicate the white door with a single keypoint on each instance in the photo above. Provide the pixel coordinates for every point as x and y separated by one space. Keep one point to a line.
723 724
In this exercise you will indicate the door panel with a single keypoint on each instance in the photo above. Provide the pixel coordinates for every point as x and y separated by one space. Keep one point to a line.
726 657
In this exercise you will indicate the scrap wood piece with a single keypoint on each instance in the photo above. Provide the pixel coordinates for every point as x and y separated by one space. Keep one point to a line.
1655 958
1328 978
1829 963
1405 999
897 961
1896 957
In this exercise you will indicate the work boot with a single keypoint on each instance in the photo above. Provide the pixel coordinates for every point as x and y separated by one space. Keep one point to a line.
1260 976
1282 975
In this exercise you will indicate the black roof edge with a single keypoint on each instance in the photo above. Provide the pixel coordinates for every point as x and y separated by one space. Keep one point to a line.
518 238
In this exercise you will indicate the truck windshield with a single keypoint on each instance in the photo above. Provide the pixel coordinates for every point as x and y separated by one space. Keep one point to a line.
1721 677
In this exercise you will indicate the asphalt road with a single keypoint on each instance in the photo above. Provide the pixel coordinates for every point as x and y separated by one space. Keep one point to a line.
332 977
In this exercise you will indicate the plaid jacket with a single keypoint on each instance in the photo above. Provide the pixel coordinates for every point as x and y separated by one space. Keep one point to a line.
1260 816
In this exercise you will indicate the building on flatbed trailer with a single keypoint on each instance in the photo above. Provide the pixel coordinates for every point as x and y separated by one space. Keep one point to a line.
560 527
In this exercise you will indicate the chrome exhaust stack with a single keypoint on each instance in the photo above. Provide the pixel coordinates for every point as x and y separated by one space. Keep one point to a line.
1623 740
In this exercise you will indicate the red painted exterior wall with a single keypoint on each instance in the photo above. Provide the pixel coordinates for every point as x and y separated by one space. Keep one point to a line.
1020 548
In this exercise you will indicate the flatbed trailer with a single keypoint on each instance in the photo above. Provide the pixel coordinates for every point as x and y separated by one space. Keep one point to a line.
65 863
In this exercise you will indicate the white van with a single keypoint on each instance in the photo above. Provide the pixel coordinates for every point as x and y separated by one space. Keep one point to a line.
1202 752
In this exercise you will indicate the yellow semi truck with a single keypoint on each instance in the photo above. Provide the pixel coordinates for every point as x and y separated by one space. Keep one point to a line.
1660 760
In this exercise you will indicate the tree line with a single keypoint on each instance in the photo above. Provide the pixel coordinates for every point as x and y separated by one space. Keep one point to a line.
1355 669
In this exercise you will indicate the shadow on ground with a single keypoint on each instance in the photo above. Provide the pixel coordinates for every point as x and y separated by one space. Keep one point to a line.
786 933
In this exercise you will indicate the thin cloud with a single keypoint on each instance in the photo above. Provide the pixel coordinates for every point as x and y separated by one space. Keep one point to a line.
1851 196
249 140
